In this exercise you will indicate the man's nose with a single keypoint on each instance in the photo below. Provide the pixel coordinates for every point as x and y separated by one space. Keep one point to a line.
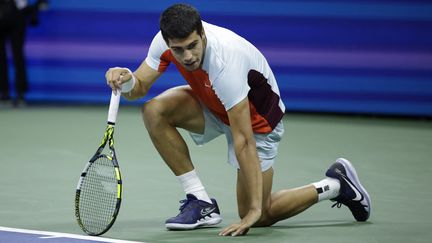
187 56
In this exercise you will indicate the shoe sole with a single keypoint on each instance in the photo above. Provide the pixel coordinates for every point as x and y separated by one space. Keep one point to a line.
352 175
216 219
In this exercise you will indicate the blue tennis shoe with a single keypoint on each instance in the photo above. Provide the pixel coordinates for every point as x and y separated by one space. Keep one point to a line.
194 214
352 193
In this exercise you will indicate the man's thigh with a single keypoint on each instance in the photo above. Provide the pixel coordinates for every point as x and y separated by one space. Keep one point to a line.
179 106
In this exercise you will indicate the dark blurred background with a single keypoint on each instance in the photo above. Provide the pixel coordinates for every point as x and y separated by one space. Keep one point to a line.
350 56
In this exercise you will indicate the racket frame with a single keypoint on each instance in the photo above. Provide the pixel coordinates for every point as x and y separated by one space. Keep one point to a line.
108 138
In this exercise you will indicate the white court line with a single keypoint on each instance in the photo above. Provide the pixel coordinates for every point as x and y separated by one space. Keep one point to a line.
65 235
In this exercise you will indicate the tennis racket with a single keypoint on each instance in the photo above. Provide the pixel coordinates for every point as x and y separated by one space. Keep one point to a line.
99 191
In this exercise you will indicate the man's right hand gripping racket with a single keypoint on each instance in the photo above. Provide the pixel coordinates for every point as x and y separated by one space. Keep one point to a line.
99 191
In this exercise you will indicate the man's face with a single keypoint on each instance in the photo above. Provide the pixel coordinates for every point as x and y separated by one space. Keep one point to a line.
189 52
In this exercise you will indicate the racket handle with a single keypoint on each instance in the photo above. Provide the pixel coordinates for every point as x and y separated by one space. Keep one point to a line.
113 107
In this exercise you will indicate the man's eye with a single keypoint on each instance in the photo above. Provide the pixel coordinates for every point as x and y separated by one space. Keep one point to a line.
191 46
177 50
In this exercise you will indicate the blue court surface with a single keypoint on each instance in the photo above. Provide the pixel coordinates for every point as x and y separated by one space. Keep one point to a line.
13 235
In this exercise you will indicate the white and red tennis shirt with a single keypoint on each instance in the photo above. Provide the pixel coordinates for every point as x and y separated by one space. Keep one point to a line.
232 70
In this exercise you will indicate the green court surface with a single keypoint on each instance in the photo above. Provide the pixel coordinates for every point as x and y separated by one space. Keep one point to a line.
43 150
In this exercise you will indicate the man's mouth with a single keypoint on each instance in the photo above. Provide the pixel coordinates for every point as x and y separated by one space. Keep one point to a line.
190 64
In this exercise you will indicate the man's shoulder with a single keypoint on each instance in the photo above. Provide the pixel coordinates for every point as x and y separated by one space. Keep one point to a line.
158 42
221 36
228 44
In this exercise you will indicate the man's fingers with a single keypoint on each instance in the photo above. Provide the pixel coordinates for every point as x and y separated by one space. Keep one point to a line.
234 230
119 81
227 231
240 231
224 232
116 76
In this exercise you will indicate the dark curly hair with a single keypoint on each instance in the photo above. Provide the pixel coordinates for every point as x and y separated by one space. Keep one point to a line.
179 21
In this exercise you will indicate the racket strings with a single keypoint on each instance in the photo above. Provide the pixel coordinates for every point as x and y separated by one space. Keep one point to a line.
98 197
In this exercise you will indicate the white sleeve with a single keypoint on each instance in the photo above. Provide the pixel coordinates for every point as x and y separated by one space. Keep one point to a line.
231 85
157 47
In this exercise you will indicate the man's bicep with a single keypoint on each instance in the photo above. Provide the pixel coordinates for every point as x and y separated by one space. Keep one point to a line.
149 70
231 84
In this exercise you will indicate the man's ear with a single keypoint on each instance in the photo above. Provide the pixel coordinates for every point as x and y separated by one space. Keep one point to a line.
167 42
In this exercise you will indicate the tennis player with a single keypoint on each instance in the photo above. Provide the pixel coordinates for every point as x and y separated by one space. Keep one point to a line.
231 91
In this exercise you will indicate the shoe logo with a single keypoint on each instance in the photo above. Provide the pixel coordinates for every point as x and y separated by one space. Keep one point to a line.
359 196
207 211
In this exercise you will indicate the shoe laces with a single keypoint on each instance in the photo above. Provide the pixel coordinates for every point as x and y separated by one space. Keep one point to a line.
337 204
185 203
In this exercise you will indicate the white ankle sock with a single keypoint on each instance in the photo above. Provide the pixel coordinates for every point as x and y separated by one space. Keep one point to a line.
327 188
192 185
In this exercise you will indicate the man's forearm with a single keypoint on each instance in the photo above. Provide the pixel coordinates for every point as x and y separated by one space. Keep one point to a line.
251 170
137 92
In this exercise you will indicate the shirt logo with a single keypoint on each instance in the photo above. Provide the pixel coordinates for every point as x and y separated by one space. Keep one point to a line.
207 83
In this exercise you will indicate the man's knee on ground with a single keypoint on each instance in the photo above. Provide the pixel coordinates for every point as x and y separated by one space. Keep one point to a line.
265 221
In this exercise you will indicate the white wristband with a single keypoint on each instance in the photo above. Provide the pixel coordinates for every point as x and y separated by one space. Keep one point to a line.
128 85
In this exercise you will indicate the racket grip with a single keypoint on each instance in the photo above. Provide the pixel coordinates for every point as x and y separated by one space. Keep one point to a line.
113 107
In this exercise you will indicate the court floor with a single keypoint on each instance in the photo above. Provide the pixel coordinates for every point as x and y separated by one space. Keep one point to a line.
43 150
